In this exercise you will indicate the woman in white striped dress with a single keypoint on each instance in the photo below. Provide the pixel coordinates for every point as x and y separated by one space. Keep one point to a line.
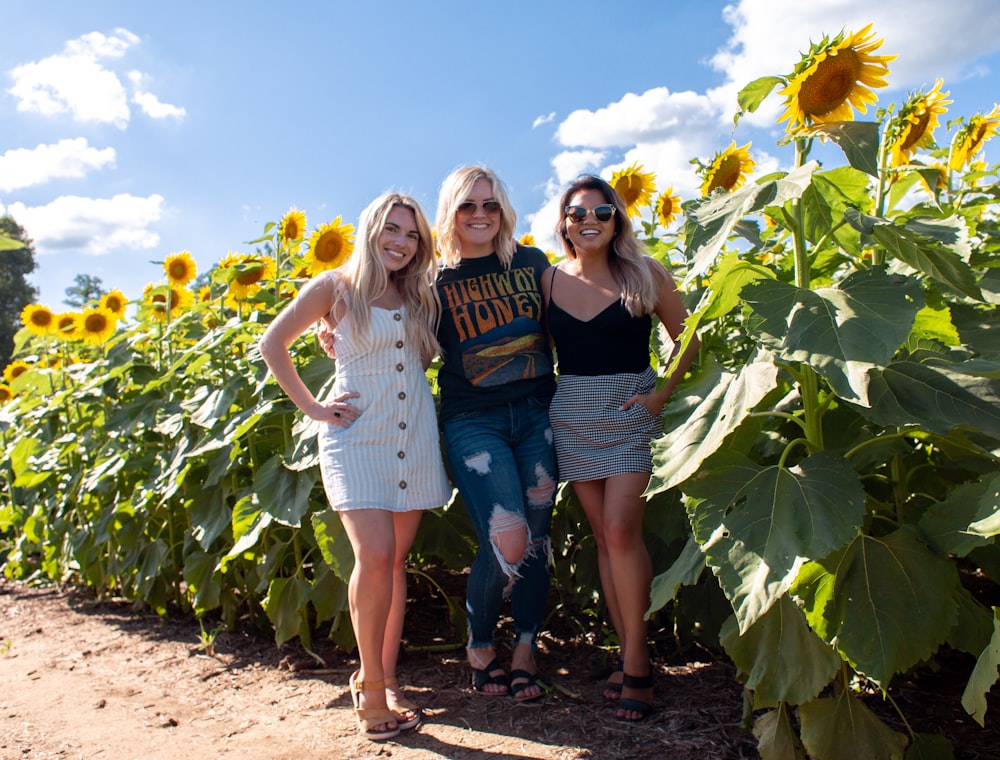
380 455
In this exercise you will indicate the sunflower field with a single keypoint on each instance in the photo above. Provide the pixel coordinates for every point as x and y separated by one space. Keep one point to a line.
827 487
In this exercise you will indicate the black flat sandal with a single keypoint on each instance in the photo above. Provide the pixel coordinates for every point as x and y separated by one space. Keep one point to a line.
525 681
636 705
483 677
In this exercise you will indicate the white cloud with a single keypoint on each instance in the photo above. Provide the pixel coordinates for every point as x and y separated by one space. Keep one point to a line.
151 105
543 120
71 224
77 81
24 167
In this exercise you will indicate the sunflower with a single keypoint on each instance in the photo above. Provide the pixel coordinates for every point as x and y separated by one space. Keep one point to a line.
833 78
67 325
115 302
970 139
635 186
37 318
668 207
293 228
15 369
527 239
97 324
155 297
180 268
330 246
916 122
204 294
728 170
6 394
247 273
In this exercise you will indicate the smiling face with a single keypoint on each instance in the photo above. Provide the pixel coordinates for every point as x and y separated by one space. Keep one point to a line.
398 241
589 235
477 227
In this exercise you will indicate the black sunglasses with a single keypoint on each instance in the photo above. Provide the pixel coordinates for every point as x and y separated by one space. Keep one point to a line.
578 213
469 207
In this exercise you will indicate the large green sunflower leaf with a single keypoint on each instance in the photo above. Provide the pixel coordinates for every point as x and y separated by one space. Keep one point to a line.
780 657
843 331
285 607
713 219
967 518
700 418
842 727
858 139
930 257
203 587
284 493
776 739
685 571
331 538
984 675
757 525
892 604
830 198
934 397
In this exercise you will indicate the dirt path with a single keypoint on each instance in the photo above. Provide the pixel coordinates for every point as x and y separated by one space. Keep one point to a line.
96 680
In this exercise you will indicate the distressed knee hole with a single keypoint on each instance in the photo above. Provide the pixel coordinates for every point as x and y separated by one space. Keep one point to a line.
542 493
479 463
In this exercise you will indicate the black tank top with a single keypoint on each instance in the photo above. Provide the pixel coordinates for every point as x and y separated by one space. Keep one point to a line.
612 342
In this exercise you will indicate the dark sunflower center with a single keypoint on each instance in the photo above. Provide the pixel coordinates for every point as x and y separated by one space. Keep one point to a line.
329 247
831 83
95 323
728 173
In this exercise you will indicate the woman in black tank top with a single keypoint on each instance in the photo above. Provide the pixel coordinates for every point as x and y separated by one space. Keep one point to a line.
600 302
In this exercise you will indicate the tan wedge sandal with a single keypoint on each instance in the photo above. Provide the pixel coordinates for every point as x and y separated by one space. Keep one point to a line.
369 718
407 713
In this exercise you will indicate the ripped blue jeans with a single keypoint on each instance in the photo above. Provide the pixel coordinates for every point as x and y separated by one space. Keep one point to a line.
503 463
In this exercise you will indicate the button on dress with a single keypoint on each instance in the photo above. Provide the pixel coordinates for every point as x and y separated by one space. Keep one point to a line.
390 457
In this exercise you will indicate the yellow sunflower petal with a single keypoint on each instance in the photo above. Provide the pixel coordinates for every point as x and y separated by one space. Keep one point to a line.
668 207
635 186
115 302
914 126
330 245
14 370
834 78
729 169
293 227
38 319
67 326
971 138
97 324
6 394
180 268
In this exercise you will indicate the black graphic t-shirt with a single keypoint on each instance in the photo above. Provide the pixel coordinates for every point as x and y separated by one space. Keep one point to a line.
491 334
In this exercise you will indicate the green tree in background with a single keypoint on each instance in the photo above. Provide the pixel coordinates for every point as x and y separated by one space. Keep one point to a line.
17 261
85 289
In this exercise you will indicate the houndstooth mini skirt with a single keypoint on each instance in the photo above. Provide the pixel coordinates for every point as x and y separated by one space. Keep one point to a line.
594 439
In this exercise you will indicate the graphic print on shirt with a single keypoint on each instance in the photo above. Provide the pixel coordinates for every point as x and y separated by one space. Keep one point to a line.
497 317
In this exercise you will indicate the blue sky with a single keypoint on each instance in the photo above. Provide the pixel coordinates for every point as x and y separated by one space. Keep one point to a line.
132 130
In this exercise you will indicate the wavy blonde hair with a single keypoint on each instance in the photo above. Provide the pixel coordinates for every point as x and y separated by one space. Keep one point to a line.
629 264
364 278
455 190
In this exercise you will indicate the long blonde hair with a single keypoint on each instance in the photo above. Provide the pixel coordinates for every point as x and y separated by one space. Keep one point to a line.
629 264
455 190
364 278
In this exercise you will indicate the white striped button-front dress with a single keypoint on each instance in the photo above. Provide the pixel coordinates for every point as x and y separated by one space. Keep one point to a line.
390 457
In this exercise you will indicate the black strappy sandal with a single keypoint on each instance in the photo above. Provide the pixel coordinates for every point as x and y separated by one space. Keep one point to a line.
628 704
483 677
